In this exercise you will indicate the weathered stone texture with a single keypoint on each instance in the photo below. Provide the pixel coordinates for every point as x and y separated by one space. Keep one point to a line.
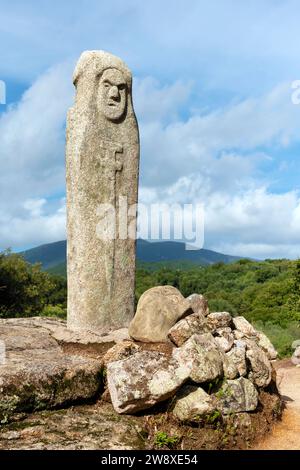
157 311
192 403
144 379
102 159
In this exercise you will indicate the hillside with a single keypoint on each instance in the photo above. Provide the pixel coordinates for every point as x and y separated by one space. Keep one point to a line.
52 256
267 292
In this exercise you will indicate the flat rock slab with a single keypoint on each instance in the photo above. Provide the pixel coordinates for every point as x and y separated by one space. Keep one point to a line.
58 330
36 372
81 428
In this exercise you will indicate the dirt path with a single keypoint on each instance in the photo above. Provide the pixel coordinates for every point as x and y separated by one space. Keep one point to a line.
286 434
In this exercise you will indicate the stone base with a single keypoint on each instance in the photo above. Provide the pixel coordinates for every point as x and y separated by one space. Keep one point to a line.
48 369
47 366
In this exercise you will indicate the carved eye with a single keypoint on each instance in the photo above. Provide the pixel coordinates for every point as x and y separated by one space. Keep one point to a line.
122 86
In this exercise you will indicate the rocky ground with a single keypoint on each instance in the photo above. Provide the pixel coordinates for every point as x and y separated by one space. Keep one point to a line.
97 426
53 393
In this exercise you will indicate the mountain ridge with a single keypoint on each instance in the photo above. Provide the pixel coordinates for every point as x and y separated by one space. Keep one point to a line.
53 255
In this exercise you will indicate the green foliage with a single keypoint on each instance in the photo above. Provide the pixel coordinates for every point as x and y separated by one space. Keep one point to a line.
57 311
213 417
162 439
58 270
294 300
267 293
24 288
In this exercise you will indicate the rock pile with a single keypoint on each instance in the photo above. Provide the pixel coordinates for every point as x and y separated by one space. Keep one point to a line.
202 364
215 363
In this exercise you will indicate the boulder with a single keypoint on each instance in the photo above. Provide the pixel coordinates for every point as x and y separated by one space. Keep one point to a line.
235 361
37 374
192 403
261 368
198 304
201 355
237 396
244 327
144 379
187 327
238 335
157 311
296 356
296 344
264 343
120 351
46 379
84 427
224 338
218 320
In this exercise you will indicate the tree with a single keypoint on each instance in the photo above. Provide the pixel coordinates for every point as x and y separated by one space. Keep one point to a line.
294 300
24 288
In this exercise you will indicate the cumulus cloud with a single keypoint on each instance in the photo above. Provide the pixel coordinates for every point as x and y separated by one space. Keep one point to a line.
34 226
215 157
229 45
32 139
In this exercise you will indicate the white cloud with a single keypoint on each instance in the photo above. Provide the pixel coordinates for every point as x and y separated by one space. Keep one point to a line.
212 158
34 228
156 102
32 140
226 44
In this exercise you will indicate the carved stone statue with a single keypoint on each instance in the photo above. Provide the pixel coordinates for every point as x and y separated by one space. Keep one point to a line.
102 160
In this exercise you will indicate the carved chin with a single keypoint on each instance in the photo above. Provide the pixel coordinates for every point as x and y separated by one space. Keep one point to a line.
113 113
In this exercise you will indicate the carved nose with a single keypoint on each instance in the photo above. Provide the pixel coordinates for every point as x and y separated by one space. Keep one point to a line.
114 93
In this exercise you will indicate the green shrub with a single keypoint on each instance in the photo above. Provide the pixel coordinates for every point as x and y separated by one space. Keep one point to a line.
162 439
24 288
54 311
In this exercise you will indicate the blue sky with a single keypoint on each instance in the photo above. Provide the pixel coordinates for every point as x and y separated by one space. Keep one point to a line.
212 93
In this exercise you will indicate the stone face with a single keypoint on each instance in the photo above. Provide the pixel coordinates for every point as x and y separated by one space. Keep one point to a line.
266 345
198 304
157 311
261 369
144 379
218 320
192 403
235 361
201 354
237 396
296 356
243 326
187 327
102 159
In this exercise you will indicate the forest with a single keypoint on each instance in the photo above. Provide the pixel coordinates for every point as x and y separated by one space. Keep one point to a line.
267 293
